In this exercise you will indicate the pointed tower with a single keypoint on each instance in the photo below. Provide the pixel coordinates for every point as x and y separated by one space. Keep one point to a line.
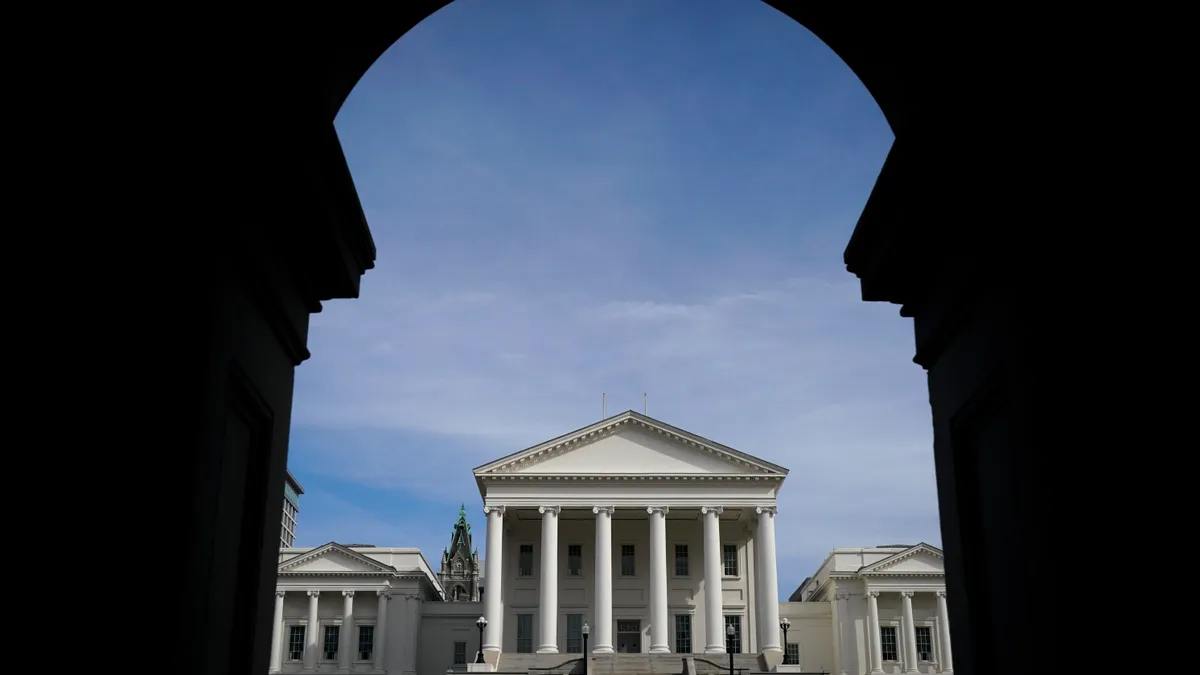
459 574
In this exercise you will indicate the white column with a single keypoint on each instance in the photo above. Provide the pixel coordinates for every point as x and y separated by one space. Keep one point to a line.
602 632
768 584
944 633
412 629
910 633
658 580
548 611
714 617
876 644
277 635
844 635
312 633
493 578
380 628
348 638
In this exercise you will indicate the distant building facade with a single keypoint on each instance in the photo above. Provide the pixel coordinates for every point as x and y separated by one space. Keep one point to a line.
652 541
459 574
291 511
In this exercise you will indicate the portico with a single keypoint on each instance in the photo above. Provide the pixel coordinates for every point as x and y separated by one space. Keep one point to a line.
657 538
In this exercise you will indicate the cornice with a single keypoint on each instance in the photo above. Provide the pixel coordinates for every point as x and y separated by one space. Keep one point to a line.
880 566
540 454
631 477
288 565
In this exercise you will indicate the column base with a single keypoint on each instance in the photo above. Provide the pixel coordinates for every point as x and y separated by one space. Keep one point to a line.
714 650
548 649
877 671
661 649
602 650
491 655
773 657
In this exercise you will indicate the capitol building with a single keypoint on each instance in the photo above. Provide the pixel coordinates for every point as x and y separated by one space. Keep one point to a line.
628 546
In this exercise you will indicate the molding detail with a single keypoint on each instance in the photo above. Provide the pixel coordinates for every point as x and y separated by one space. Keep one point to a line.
605 509
550 509
740 463
658 509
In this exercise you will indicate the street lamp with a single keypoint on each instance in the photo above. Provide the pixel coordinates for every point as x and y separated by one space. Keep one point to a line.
784 625
585 630
729 645
481 622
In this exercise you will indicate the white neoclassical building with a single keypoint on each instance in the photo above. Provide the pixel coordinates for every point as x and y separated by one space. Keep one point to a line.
647 542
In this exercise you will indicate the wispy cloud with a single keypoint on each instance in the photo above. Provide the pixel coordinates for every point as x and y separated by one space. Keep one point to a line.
659 208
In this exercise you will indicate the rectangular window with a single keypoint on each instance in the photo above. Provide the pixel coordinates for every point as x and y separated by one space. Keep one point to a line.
295 643
460 653
574 561
683 632
524 633
574 633
887 638
729 560
924 643
681 562
736 622
627 567
525 561
791 654
329 650
366 642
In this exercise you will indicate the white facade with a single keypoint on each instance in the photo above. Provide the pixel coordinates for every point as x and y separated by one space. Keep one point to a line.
657 539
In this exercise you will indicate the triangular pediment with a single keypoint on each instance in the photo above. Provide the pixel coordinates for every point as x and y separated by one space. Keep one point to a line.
333 559
919 559
631 443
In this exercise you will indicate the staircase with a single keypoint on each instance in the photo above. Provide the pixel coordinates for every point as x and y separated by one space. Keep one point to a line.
718 664
638 664
628 664
542 664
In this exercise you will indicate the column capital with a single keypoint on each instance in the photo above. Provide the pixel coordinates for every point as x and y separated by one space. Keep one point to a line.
313 594
549 509
280 594
382 592
603 509
773 510
842 595
906 594
658 509
705 510
497 509
872 594
940 594
348 594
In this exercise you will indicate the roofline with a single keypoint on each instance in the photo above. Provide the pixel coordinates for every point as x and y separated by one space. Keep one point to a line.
423 566
633 414
900 552
295 483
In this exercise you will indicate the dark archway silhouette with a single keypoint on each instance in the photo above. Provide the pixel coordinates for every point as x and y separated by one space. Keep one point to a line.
285 232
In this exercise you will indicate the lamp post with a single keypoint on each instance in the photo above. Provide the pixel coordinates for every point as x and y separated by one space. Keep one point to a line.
784 625
585 630
481 622
729 645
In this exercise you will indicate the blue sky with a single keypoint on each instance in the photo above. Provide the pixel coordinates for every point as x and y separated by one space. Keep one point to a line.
571 198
